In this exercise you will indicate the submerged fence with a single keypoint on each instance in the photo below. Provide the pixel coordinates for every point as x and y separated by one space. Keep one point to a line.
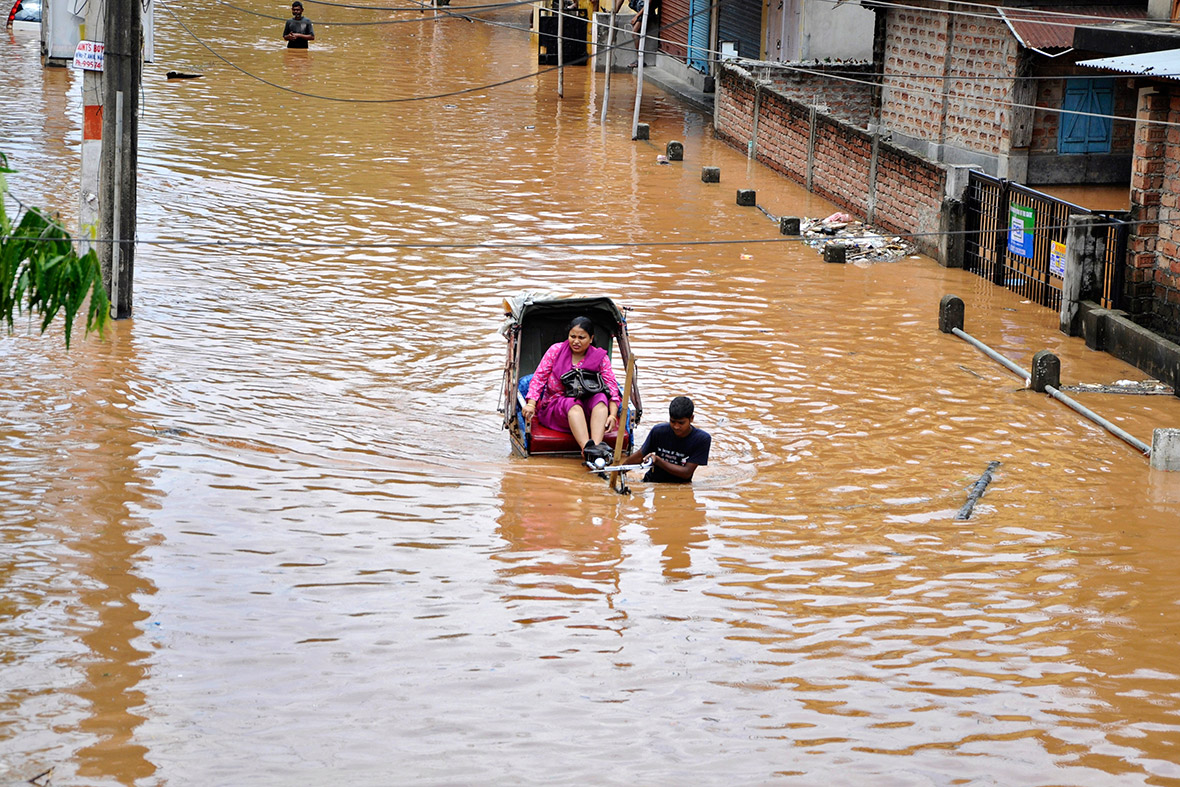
1016 238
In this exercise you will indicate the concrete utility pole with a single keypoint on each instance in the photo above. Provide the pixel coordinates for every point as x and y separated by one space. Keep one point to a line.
122 64
91 128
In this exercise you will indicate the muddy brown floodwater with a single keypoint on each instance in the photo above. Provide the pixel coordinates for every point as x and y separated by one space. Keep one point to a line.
269 531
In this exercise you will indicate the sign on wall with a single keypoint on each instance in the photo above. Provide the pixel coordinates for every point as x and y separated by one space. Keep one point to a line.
1057 259
1021 221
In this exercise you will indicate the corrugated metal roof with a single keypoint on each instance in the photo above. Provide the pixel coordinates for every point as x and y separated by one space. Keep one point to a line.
1161 64
1041 30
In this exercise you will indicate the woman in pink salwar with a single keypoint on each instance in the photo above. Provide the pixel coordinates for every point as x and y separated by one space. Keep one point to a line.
589 418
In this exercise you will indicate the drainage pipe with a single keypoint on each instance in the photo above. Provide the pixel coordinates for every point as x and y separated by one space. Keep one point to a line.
990 353
1093 416
1046 366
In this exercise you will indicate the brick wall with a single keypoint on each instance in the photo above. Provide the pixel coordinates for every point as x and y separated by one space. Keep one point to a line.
1153 276
842 90
961 113
907 193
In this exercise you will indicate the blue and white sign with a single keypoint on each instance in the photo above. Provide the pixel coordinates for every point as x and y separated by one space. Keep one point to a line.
1021 221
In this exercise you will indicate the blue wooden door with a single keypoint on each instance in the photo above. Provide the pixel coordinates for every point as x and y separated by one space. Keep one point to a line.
1086 133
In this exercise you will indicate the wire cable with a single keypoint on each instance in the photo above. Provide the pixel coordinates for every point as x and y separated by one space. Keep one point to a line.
403 100
417 9
557 244
1037 11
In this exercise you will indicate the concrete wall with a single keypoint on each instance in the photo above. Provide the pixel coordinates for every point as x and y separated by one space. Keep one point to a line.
841 32
882 183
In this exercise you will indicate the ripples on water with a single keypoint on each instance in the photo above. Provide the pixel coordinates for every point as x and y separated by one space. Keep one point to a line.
270 532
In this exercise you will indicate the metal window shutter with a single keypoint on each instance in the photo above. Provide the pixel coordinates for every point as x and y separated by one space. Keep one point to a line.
674 28
741 21
698 34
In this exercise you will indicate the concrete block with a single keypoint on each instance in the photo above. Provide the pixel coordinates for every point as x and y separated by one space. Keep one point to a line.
788 225
836 252
950 313
675 151
747 198
1046 370
1165 449
711 174
642 131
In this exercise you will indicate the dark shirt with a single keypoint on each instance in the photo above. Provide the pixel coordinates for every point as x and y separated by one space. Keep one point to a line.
663 442
302 27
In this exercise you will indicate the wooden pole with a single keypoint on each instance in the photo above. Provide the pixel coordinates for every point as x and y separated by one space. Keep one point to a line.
639 69
122 63
560 48
610 57
616 477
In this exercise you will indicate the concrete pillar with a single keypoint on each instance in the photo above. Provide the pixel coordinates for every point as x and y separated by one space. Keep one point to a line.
952 244
675 151
642 131
747 198
810 146
1082 280
950 313
91 131
788 225
1046 370
836 252
122 66
710 174
1165 449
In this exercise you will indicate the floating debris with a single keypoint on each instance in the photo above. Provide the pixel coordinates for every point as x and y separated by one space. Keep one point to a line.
1129 387
863 244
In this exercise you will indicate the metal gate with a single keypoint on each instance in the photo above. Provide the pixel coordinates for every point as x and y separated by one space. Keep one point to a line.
992 204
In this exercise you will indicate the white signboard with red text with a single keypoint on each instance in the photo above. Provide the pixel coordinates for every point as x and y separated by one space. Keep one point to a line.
88 55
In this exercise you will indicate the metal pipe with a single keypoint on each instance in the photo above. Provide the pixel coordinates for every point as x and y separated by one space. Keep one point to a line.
990 353
1093 416
1077 407
640 47
610 56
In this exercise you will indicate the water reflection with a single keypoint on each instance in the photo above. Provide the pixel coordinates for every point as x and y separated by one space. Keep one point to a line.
341 552
75 529
678 535
563 553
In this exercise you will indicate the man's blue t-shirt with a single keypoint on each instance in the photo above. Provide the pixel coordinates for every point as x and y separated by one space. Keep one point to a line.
663 442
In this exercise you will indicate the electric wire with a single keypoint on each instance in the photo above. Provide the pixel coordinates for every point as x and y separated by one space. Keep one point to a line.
1037 11
419 9
406 99
910 90
554 244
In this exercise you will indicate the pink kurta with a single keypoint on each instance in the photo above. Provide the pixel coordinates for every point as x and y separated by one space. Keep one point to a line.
553 405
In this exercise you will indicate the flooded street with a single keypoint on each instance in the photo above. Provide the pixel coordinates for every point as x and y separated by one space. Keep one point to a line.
270 532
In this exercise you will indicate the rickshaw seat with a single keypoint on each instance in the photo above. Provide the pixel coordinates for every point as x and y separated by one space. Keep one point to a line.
544 440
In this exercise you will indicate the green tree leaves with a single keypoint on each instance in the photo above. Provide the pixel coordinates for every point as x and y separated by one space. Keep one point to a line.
41 271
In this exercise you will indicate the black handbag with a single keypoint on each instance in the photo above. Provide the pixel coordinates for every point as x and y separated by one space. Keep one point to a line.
582 382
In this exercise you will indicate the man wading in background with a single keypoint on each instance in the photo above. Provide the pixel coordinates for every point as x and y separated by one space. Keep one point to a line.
298 30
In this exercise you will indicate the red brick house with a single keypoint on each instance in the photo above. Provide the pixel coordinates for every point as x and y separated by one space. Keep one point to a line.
1154 248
